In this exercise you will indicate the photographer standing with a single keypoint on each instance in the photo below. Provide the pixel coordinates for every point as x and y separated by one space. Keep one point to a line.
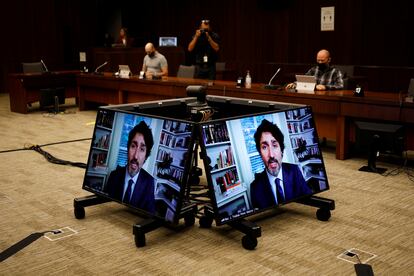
205 46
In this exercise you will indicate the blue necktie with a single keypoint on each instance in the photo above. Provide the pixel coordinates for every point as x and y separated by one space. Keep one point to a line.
279 192
128 192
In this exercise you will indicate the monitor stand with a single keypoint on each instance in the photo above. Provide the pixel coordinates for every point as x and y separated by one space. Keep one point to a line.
140 229
372 157
251 230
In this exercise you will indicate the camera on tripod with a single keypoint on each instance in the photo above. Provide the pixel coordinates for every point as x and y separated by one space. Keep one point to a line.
199 111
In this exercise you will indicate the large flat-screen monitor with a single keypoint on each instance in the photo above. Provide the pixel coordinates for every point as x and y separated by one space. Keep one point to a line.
260 161
141 161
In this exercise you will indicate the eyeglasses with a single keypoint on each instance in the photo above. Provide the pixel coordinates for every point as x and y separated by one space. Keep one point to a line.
205 21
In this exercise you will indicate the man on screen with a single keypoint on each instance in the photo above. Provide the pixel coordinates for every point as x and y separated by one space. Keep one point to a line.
132 184
279 182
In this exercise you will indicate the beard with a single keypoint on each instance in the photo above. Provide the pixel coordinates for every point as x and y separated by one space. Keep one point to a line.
133 167
273 166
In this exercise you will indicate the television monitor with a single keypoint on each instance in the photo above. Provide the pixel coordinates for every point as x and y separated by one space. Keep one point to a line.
152 151
244 154
169 41
372 138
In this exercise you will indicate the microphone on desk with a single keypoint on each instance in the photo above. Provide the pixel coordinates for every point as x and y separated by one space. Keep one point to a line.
44 65
270 85
100 66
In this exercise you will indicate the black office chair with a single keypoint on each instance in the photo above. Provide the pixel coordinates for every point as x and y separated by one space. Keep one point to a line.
32 67
347 73
49 98
186 71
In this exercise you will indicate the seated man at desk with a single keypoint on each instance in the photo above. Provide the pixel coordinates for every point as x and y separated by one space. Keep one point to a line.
155 64
327 76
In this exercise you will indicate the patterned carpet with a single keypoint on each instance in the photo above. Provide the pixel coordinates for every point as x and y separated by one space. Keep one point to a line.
374 214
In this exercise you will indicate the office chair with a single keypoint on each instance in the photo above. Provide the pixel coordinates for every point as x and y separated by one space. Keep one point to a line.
347 73
32 67
186 71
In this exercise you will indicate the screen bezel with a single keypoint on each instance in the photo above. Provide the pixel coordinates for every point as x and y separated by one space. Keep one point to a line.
186 169
209 177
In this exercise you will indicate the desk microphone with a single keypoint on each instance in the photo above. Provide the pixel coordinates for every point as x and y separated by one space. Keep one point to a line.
100 66
44 65
270 85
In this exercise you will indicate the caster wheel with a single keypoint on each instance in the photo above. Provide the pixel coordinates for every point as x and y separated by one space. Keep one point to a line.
249 242
79 212
205 222
323 214
140 240
189 220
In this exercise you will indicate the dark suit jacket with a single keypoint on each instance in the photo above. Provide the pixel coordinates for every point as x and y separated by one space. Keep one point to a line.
143 195
261 193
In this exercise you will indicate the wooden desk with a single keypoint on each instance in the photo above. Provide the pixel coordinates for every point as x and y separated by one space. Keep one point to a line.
334 111
133 57
24 88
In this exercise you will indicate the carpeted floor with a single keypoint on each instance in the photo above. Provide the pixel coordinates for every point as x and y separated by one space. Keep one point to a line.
374 214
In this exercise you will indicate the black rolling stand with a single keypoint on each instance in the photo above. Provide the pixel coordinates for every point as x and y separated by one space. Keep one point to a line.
324 206
252 231
140 229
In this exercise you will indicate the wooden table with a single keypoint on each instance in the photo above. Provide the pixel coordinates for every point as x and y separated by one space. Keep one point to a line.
334 111
25 88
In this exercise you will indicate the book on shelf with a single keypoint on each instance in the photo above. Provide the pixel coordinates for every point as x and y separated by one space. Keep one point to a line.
105 119
228 180
173 141
102 142
224 159
99 160
176 127
215 133
297 114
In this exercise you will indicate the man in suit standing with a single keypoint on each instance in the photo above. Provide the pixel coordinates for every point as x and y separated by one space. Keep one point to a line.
279 182
132 184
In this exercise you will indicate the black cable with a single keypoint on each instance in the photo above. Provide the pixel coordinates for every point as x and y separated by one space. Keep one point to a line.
50 157
22 244
55 160
402 169
56 143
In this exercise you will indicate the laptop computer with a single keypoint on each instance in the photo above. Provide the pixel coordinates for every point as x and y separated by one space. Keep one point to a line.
124 71
305 83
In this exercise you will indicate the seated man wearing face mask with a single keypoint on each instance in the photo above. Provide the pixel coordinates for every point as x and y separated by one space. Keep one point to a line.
154 65
327 77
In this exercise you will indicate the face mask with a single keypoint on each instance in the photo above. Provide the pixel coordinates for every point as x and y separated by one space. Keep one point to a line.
322 66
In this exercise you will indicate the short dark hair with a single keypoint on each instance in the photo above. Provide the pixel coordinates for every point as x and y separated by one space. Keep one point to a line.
267 126
146 132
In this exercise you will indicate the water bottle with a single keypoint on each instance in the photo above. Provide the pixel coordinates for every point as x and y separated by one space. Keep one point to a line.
248 82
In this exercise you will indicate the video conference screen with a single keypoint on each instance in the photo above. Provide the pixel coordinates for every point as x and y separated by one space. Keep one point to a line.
259 162
140 161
